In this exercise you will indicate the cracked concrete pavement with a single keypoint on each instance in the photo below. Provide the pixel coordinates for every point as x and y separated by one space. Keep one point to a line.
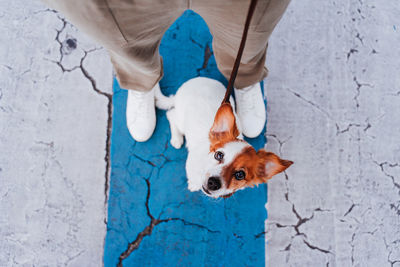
333 95
154 222
55 123
333 104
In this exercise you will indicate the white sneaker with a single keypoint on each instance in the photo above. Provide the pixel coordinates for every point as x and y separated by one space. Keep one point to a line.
250 109
141 114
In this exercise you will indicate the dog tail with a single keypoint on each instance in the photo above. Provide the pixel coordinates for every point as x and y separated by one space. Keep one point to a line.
162 101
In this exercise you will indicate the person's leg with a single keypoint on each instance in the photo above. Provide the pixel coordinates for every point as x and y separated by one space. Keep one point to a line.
226 20
131 32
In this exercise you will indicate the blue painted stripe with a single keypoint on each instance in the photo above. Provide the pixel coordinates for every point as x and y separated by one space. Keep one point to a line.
203 231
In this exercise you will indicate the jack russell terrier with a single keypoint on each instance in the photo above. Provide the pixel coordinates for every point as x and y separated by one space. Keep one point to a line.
219 161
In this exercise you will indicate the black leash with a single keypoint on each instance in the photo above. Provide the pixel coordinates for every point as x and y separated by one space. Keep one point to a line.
240 52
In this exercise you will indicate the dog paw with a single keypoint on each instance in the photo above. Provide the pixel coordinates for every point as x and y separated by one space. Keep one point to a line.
177 142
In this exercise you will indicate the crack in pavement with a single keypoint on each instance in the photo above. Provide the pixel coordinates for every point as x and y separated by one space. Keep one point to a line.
352 246
207 54
391 165
61 215
107 157
361 39
395 207
63 51
364 186
316 248
351 125
195 42
153 222
352 51
358 89
280 142
349 210
310 103
61 47
45 10
392 262
300 221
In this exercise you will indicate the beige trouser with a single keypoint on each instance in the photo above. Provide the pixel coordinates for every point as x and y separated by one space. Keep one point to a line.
132 32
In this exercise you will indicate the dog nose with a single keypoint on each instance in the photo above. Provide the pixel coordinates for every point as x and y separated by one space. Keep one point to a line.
213 183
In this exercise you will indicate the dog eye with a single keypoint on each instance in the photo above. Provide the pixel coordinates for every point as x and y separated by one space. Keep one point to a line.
219 155
240 175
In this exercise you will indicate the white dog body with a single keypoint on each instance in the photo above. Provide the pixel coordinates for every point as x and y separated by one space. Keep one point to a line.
191 114
219 161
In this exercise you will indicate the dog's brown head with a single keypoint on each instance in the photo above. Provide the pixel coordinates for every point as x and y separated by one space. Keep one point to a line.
233 164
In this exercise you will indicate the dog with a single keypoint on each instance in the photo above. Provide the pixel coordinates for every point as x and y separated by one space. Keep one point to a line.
219 161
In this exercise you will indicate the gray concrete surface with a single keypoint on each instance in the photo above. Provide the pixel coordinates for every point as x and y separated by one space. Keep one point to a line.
334 105
53 134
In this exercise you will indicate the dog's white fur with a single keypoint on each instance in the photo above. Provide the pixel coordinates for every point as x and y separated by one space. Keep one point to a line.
191 114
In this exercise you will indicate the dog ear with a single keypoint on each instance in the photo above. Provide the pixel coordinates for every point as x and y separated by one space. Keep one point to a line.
270 164
224 128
